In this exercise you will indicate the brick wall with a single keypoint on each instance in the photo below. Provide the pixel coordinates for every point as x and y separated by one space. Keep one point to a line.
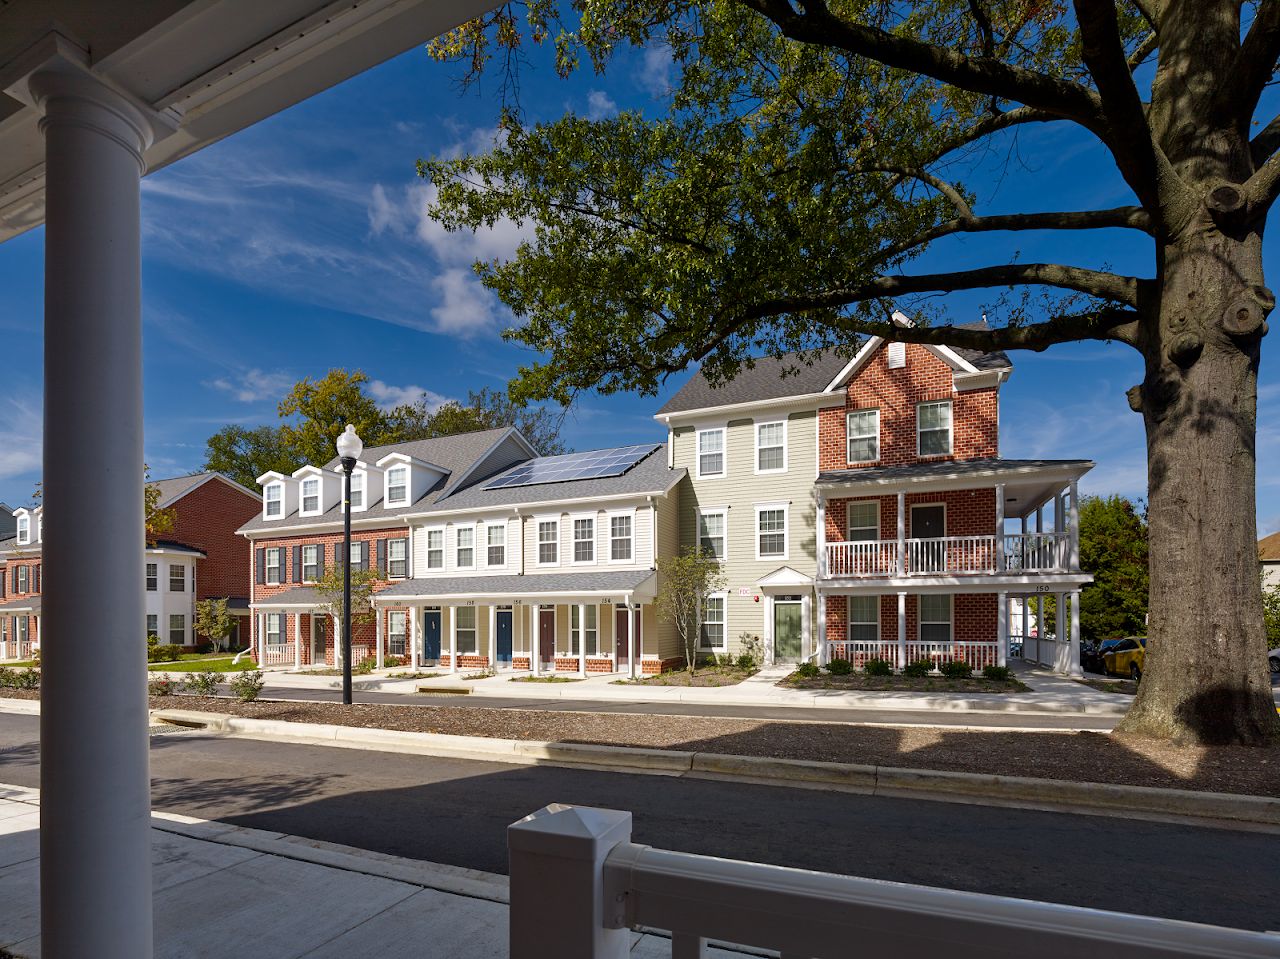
975 420
207 519
970 512
35 578
974 618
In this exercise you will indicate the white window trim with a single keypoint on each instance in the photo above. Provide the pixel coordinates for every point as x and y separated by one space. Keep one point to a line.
786 532
266 500
317 564
785 458
609 518
183 570
185 634
279 567
444 549
537 540
951 430
24 530
848 526
724 452
723 512
364 488
848 437
147 577
473 629
280 631
386 479
475 536
404 559
574 519
302 496
951 619
723 596
495 524
579 633
403 632
849 620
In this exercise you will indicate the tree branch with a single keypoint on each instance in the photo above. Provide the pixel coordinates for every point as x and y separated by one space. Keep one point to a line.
817 25
1266 142
1149 45
1152 11
1255 62
942 186
1260 189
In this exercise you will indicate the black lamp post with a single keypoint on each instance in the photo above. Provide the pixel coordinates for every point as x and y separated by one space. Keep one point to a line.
349 449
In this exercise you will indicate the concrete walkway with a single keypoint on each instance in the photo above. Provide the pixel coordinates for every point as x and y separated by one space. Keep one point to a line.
225 892
1051 693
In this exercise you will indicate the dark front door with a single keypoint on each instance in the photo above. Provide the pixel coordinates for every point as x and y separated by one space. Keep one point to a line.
547 634
431 637
317 638
622 629
504 637
928 523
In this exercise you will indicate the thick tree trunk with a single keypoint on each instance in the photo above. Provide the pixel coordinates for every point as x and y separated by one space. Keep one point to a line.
1205 677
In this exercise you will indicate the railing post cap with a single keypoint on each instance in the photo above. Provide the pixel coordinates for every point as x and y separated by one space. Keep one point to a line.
570 832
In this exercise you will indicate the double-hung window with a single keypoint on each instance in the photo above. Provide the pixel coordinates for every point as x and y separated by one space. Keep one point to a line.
397 628
177 578
548 542
771 532
713 622
397 558
357 491
863 428
710 453
153 625
153 577
771 447
311 563
311 496
711 532
275 629
24 530
23 574
465 627
864 619
935 618
621 549
397 486
933 428
584 540
466 551
864 520
356 556
275 500
177 629
435 549
577 633
496 545
274 564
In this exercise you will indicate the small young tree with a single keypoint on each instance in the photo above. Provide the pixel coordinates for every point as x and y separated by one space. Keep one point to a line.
685 581
329 586
1271 614
214 620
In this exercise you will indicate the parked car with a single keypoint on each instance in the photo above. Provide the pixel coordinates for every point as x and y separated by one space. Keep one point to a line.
1273 660
1126 657
1091 654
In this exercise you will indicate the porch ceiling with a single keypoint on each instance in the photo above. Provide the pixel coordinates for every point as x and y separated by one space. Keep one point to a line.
209 67
601 586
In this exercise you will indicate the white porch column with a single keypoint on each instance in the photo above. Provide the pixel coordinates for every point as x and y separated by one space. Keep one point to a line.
517 631
415 636
535 640
297 641
632 626
999 551
453 638
1002 630
493 635
821 531
1073 530
379 615
1073 647
902 630
582 639
640 639
824 650
1061 629
95 869
1026 624
902 534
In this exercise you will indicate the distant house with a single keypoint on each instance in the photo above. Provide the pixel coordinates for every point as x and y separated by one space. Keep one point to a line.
8 524
1269 557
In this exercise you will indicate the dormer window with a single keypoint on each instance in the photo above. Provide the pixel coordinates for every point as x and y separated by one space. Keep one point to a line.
311 496
397 486
274 497
357 491
24 530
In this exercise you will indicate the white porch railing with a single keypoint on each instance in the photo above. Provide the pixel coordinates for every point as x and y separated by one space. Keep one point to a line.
876 557
976 655
277 654
945 555
579 886
1036 552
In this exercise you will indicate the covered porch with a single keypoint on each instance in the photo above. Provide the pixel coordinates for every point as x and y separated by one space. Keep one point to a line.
19 628
293 629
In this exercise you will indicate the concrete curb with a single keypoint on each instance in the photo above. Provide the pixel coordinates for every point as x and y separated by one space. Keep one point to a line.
1133 801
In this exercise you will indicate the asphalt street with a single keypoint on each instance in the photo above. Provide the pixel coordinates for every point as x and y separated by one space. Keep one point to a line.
456 811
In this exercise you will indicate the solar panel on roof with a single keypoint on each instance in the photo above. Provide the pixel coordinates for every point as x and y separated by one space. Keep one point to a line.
594 464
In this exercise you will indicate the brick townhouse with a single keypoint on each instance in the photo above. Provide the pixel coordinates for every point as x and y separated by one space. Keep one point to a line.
200 558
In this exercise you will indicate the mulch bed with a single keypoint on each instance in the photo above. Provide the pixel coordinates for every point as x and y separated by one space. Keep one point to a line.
905 684
1122 687
1083 757
706 676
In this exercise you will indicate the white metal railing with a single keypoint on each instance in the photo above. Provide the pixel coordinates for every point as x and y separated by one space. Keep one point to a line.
1036 552
976 654
579 886
922 557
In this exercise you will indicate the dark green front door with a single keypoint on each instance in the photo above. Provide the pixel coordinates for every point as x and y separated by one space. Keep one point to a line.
786 631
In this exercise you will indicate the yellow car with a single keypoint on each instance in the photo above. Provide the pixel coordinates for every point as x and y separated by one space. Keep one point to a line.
1125 658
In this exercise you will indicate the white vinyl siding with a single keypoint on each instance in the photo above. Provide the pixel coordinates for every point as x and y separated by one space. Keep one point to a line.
933 428
864 436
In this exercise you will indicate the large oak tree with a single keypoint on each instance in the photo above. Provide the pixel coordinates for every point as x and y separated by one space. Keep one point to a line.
810 150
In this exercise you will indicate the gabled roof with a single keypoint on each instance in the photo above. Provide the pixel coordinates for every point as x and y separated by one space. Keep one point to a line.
766 379
1268 548
173 489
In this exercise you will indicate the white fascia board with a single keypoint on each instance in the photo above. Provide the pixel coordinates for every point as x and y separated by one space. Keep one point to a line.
554 504
408 460
983 379
854 364
165 551
307 470
308 529
800 401
271 476
1008 583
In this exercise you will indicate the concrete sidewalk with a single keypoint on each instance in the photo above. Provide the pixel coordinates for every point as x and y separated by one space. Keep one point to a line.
1052 694
224 891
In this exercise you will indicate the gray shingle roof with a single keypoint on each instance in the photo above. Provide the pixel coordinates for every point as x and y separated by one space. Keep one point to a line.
593 581
762 381
297 596
941 468
650 475
174 487
27 604
455 454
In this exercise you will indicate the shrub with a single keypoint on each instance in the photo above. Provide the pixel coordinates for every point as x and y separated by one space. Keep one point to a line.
162 685
878 667
752 647
956 669
806 671
996 672
746 662
839 667
158 653
204 683
27 679
917 668
247 685
366 665
393 661
8 677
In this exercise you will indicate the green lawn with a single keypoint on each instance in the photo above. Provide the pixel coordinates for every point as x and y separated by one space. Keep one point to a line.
198 662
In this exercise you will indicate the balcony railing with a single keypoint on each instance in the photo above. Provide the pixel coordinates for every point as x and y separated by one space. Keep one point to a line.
948 555
976 654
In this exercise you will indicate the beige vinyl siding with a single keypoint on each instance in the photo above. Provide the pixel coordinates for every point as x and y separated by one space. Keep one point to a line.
661 633
739 492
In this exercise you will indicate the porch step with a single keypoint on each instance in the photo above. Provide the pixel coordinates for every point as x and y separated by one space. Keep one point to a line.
459 690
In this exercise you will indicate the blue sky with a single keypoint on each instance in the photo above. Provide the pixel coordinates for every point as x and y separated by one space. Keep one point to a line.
299 245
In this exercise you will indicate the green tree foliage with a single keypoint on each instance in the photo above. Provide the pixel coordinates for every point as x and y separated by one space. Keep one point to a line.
1271 615
330 588
214 621
684 583
484 410
1113 547
243 454
315 412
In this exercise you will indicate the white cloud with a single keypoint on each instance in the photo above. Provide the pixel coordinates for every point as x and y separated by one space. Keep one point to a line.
600 105
254 385
388 396
466 308
654 73
22 436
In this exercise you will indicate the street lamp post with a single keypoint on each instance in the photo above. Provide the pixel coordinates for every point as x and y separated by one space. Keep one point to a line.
349 449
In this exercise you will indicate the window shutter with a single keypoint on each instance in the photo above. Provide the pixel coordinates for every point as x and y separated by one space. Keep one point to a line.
408 558
297 564
35 586
337 556
4 584
261 562
364 555
382 556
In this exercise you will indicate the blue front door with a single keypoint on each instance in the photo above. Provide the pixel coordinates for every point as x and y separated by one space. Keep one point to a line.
504 637
431 637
